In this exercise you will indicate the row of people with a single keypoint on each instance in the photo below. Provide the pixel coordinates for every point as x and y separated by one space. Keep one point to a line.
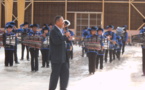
110 42
24 31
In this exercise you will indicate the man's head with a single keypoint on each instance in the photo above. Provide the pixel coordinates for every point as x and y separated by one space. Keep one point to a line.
26 25
50 26
9 28
59 21
94 30
100 31
110 27
45 30
35 27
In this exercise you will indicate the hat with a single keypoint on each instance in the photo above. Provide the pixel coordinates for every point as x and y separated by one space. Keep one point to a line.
35 25
9 26
12 23
100 29
31 25
94 28
110 26
25 23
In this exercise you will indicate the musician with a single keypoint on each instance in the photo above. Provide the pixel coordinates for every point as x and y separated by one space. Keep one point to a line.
50 26
85 33
100 53
92 53
15 31
118 46
69 43
45 47
124 38
142 32
111 38
34 51
9 41
24 32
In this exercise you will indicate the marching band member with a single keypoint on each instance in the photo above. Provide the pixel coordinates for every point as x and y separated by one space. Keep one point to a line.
24 33
15 30
69 42
111 38
45 47
118 46
124 39
92 53
100 53
85 33
9 41
34 51
142 32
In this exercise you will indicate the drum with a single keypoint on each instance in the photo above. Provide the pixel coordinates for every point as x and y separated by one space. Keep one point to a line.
92 43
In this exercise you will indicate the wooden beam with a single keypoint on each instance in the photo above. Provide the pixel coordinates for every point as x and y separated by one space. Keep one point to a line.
21 11
65 9
129 15
0 13
12 15
8 10
103 13
141 26
32 12
137 10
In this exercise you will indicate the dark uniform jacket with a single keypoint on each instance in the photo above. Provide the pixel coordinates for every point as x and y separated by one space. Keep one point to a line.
58 51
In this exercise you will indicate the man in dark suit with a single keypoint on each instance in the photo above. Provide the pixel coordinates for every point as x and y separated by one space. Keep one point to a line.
58 55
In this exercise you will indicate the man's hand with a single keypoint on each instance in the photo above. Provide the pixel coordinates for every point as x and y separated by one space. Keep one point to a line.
67 34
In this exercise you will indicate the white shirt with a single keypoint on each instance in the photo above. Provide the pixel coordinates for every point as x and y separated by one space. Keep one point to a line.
60 29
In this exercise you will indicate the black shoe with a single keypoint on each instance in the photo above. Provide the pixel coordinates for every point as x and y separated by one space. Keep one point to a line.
42 66
48 66
21 59
17 63
143 75
6 65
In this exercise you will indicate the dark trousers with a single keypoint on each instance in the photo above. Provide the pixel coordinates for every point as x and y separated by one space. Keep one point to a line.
59 70
143 60
83 51
92 61
99 59
70 54
123 47
27 49
34 59
9 57
15 55
114 53
110 55
45 61
118 54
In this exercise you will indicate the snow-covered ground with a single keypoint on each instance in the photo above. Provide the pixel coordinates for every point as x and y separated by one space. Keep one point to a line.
118 75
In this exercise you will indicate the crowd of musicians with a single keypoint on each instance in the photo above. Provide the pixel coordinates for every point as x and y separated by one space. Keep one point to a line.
11 36
109 44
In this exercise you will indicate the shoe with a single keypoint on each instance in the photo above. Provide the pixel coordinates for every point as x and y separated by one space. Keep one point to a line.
21 59
143 75
48 66
17 63
42 66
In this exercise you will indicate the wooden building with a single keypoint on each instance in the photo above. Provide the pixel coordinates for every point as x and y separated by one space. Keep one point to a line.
81 13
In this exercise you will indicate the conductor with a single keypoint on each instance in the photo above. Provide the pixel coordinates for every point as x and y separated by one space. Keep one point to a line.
58 55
